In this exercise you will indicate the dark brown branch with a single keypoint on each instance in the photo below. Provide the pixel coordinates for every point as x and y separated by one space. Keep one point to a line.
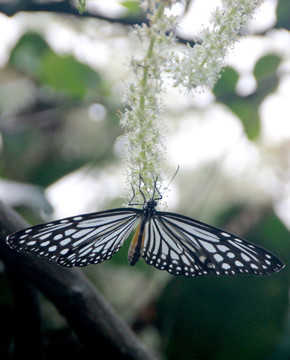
93 320
26 310
65 7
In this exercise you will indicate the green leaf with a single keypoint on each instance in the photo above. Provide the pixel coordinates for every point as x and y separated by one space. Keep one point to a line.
68 75
283 14
247 108
34 57
81 6
265 72
132 6
225 87
26 55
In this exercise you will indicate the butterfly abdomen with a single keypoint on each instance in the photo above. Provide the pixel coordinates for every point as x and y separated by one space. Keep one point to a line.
137 244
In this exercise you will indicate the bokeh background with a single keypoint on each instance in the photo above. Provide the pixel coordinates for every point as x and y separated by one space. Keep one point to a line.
62 77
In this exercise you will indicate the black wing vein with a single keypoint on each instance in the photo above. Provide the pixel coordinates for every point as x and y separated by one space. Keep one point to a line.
78 240
185 246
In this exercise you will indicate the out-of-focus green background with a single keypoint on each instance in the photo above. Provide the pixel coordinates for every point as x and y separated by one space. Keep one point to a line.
61 87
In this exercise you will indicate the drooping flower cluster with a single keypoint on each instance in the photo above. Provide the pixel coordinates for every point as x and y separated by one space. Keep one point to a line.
195 68
144 139
200 66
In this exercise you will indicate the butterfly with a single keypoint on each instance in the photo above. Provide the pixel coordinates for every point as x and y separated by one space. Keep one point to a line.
168 241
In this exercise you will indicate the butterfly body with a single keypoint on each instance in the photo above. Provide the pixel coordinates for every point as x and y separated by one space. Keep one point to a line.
168 241
137 242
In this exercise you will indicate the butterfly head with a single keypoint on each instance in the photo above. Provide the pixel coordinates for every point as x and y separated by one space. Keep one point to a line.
150 205
154 196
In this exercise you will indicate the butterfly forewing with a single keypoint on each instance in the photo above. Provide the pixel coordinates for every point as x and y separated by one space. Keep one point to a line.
185 246
172 242
78 240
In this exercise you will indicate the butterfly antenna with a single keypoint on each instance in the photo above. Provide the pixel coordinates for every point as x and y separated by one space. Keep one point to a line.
134 194
172 178
142 180
156 190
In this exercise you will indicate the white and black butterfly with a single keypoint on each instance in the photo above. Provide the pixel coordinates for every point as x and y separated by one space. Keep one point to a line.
169 241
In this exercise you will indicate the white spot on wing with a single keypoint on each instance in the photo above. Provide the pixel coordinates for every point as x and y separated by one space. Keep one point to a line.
223 248
52 248
226 266
218 257
210 248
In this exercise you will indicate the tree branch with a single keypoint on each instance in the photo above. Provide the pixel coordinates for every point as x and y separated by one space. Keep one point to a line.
94 321
65 7
26 310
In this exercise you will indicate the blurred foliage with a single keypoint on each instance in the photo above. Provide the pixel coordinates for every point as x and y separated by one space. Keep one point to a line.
283 15
247 107
52 133
132 6
48 131
81 6
64 74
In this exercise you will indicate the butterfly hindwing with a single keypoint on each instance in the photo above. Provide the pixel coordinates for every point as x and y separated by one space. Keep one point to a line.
182 245
164 251
78 240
